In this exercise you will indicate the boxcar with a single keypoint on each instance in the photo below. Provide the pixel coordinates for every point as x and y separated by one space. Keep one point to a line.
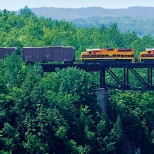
48 54
6 51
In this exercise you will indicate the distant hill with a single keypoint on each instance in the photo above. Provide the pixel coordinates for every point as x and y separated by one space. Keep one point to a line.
73 13
138 19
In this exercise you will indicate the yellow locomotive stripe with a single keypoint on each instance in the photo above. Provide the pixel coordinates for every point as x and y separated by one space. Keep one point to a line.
104 58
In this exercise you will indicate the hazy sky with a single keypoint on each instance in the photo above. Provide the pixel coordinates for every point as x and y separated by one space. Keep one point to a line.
18 4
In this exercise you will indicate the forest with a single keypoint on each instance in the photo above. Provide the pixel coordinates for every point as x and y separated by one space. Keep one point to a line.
58 112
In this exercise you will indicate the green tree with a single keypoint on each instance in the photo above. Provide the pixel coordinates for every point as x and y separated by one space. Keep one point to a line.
117 136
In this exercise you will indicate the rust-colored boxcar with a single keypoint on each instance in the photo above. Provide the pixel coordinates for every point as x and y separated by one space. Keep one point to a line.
48 54
6 51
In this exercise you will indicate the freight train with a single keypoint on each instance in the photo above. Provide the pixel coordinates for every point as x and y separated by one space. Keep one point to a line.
67 55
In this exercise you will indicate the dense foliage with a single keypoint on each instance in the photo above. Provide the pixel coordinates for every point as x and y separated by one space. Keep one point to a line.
58 112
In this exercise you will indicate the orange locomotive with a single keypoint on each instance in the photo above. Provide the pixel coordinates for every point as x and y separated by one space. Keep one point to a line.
107 55
147 55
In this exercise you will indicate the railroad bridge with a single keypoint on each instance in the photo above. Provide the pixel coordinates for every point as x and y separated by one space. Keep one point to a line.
122 78
127 70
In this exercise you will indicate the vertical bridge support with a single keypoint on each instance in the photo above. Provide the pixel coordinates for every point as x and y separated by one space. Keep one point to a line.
102 97
102 92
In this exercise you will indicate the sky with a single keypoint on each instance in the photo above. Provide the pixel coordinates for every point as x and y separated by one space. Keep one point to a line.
13 5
